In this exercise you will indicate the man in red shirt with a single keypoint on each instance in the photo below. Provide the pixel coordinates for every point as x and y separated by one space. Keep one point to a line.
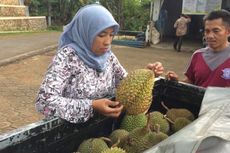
210 66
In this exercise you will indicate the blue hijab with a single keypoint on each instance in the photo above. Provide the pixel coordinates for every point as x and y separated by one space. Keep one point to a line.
80 33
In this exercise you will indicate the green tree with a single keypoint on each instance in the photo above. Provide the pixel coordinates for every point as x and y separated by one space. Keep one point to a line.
116 7
136 14
132 15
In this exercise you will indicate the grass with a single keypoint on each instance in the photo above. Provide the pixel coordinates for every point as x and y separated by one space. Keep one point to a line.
55 28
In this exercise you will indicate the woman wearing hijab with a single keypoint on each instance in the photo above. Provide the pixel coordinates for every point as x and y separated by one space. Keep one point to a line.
84 70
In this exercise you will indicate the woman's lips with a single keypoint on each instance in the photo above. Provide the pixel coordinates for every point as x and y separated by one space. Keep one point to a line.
105 49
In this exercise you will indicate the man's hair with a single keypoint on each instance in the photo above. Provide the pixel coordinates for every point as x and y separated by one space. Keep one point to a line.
220 14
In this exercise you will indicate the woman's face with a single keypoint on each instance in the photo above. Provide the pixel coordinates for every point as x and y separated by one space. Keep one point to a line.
102 42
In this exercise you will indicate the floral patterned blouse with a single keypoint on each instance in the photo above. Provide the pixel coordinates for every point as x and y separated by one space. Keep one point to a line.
70 86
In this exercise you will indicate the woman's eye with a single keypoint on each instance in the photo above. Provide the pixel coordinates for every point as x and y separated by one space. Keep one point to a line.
101 35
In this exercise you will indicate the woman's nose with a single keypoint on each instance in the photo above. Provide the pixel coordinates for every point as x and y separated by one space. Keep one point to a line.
108 40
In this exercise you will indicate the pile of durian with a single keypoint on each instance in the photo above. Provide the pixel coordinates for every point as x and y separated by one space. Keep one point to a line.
138 130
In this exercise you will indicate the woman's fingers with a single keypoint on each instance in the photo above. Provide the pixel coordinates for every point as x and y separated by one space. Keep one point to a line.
157 68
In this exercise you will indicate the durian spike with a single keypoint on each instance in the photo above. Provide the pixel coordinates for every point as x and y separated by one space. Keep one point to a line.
147 127
105 139
116 144
168 119
163 104
157 128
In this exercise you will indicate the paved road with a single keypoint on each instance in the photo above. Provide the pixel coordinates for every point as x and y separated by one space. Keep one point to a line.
18 46
20 80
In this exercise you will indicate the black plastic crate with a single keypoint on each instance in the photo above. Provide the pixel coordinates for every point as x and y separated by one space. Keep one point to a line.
58 136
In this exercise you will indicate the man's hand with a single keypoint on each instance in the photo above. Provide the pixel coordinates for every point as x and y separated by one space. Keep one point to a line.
171 75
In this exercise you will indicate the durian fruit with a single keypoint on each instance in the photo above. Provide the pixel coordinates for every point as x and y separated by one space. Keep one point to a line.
93 145
135 91
174 113
118 135
153 138
179 123
114 150
157 117
130 122
134 141
158 135
139 139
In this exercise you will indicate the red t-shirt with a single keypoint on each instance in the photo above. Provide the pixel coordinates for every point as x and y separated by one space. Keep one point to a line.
202 73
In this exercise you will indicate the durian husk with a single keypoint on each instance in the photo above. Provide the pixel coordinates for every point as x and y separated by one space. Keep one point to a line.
175 113
118 135
95 145
157 117
130 122
114 150
180 123
135 91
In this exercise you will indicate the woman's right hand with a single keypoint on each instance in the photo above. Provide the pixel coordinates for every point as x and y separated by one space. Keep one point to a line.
156 67
107 107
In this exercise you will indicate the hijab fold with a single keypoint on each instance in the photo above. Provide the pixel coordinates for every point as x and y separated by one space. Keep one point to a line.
80 33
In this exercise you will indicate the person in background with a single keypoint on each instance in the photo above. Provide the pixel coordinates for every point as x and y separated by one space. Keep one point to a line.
210 66
84 70
181 26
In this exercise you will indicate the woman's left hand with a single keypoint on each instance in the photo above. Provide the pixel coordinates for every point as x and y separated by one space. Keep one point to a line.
157 68
107 107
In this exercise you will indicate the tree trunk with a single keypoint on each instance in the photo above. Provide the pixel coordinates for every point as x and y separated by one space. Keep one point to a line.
27 2
49 12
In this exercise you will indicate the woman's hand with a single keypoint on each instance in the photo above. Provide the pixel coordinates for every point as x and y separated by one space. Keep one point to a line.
107 107
157 68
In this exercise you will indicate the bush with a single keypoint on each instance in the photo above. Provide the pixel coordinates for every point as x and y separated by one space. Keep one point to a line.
55 28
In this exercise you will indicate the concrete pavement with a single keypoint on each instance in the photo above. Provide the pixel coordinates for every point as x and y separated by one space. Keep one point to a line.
20 46
20 79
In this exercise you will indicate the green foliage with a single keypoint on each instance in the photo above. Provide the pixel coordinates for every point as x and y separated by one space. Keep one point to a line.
61 11
55 28
136 14
132 15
